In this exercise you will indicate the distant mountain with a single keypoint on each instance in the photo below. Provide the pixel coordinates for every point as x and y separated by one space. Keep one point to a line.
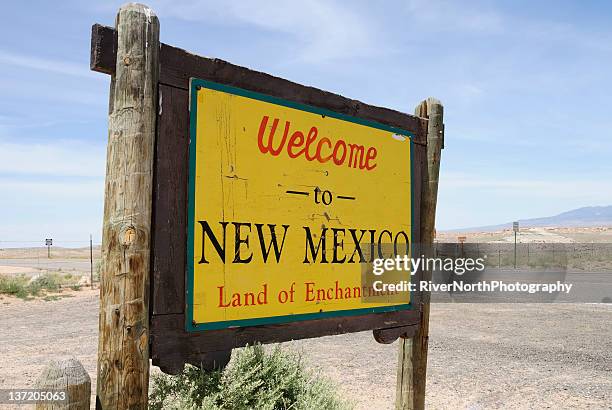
581 217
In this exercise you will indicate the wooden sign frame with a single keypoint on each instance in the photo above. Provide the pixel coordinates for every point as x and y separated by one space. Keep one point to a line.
171 346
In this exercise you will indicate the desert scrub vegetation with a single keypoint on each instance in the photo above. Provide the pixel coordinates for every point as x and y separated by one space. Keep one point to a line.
253 379
24 287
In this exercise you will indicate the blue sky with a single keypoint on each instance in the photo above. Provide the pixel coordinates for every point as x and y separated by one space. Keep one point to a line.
526 87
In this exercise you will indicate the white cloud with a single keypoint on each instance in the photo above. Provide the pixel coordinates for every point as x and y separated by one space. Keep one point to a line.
452 16
46 207
48 65
46 190
323 30
45 90
54 158
523 189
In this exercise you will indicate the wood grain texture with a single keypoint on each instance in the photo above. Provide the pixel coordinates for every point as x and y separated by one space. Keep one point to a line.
103 54
172 346
123 349
412 358
171 172
67 375
391 334
178 66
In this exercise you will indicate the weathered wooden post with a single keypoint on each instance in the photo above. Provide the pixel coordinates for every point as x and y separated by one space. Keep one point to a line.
67 376
123 349
412 361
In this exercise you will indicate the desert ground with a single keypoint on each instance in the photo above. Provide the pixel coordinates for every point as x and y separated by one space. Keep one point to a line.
482 356
595 234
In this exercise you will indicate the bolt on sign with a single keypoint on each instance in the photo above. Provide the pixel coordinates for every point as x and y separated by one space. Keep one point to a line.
287 204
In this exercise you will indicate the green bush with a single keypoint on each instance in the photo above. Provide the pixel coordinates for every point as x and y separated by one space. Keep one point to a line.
21 287
254 379
14 286
45 282
98 271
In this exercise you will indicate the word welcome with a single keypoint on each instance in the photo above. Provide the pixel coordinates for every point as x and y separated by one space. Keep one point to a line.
340 153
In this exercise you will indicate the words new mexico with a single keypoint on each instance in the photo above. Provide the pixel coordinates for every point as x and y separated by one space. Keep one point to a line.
287 205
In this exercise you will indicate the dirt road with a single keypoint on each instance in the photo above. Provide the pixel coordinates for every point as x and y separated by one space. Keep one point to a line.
482 356
13 266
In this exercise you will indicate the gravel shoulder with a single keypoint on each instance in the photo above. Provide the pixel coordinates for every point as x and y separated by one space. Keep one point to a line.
482 356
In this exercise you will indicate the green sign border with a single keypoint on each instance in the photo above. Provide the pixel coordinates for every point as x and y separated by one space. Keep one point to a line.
190 326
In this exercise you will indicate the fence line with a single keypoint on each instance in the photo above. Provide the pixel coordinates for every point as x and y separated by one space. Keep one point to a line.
67 262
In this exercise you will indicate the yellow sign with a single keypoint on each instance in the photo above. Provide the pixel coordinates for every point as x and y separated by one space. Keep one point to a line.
288 205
